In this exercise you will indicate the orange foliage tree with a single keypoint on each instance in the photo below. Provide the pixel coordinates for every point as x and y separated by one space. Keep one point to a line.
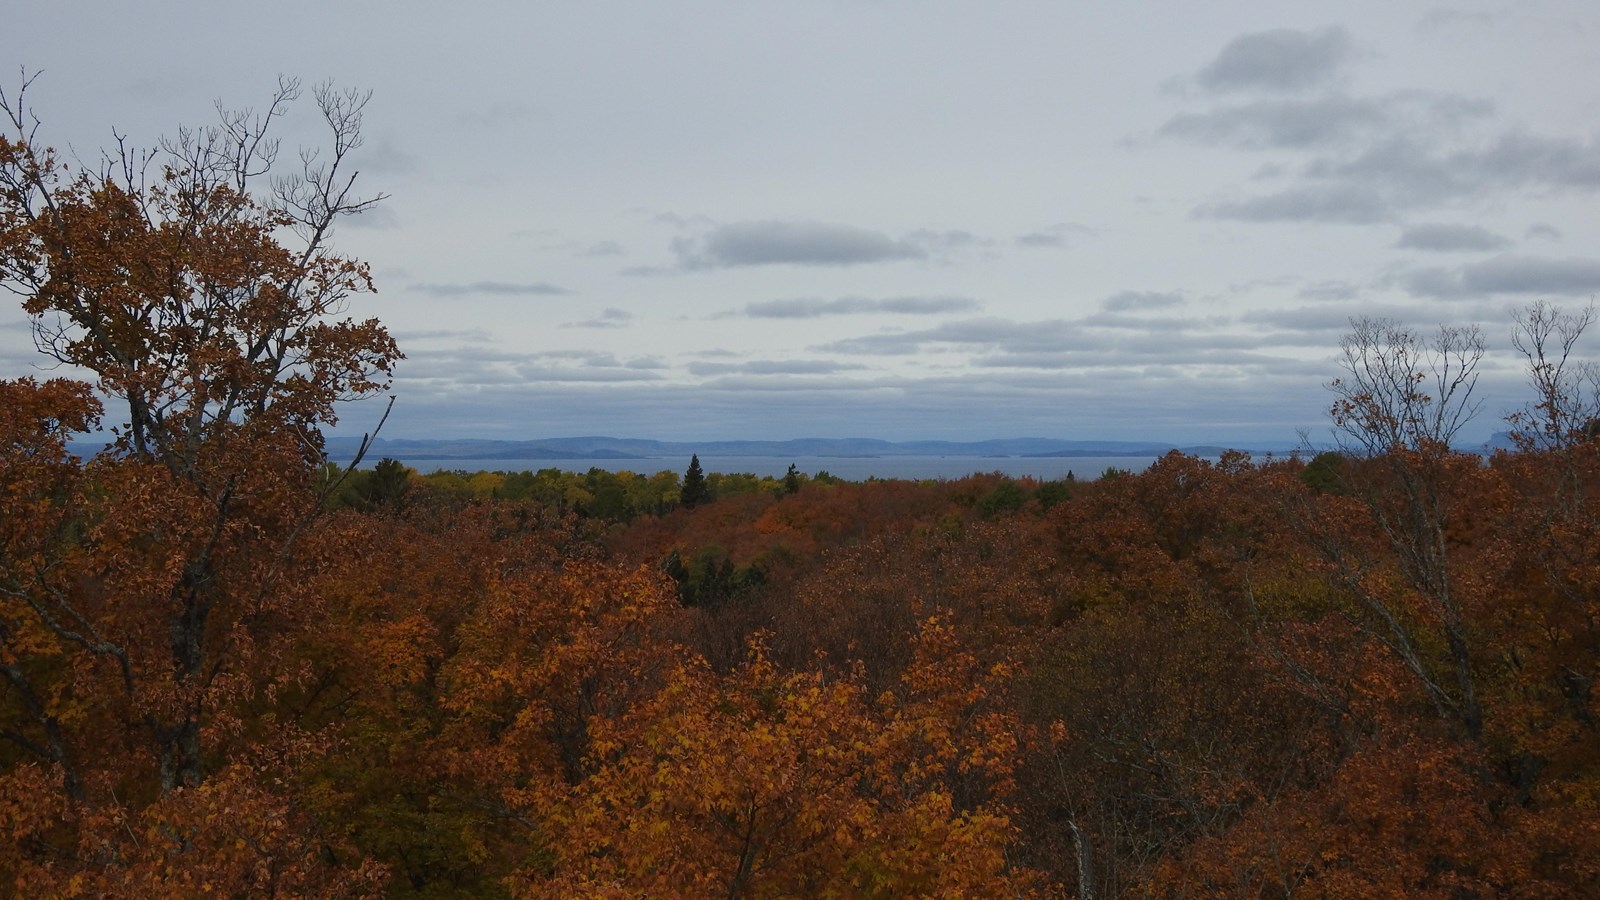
772 783
152 595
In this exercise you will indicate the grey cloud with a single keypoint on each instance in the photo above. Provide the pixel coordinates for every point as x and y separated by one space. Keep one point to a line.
767 387
453 370
1108 341
1403 170
1059 235
1125 301
1415 170
900 343
610 318
1279 60
1330 290
1521 158
1542 231
603 248
678 220
1444 238
1040 239
1441 18
1134 358
1275 123
1321 324
926 305
798 243
496 288
598 359
774 367
1049 360
1374 158
599 375
1409 170
1323 317
647 271
1274 282
477 353
476 335
1326 121
584 365
811 308
480 363
1312 203
1040 335
1506 274
1122 322
1048 335
945 243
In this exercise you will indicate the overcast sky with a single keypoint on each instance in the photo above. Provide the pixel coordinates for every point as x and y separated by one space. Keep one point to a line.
929 219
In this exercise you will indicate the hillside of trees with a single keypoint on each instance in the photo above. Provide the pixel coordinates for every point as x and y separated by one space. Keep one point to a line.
230 667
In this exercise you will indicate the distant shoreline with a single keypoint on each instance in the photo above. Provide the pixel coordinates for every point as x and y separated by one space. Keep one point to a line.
611 448
903 468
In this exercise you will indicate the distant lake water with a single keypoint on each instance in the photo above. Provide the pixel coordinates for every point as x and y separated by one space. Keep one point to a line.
850 468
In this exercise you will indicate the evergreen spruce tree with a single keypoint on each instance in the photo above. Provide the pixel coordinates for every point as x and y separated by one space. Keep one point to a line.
386 484
694 485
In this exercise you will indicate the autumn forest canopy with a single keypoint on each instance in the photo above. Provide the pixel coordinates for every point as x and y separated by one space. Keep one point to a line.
230 665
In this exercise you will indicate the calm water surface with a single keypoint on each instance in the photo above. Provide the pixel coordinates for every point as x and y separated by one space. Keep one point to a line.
849 468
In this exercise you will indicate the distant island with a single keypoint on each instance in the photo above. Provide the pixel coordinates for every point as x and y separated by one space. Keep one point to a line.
610 448
341 448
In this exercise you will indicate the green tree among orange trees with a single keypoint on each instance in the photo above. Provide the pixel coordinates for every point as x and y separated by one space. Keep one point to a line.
694 490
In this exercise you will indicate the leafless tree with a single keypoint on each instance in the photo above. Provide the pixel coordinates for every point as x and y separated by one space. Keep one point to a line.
1398 409
1402 391
1566 408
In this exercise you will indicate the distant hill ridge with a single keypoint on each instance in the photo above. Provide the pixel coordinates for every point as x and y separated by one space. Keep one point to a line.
594 447
340 449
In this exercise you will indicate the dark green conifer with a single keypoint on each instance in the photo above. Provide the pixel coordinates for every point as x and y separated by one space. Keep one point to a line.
694 490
